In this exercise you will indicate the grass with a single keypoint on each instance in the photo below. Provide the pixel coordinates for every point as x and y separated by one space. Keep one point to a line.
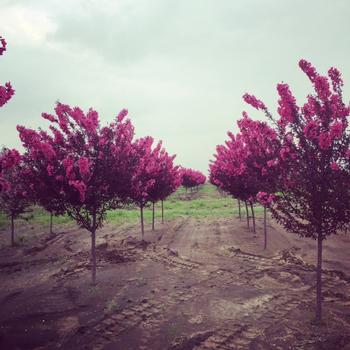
204 202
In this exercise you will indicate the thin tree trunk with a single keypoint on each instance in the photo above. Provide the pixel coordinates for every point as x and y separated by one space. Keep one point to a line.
142 226
319 279
265 229
253 216
162 211
93 249
51 223
12 230
247 213
239 209
93 256
152 216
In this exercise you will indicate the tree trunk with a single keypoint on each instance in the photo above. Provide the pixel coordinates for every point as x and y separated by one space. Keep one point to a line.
239 209
12 230
162 211
51 223
247 213
93 256
152 216
265 229
319 279
253 216
142 226
93 249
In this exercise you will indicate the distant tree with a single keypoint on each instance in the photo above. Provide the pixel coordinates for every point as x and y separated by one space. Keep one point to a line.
313 199
14 196
144 175
260 160
192 178
88 168
8 159
167 181
230 172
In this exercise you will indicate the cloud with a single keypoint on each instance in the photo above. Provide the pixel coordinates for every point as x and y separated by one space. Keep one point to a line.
23 25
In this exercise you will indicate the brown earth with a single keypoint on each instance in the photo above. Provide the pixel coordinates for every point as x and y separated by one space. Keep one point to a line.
197 284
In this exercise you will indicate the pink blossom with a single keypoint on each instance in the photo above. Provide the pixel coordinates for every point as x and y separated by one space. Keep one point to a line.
78 115
253 101
336 79
83 164
325 140
61 112
336 130
92 121
312 129
284 152
308 69
322 87
6 92
310 108
80 187
271 163
122 114
3 45
287 105
49 117
50 169
68 164
48 151
334 166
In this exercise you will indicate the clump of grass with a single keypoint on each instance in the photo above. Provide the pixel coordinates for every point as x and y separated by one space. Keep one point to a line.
204 202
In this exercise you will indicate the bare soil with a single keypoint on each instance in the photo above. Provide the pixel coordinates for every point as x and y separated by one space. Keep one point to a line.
195 284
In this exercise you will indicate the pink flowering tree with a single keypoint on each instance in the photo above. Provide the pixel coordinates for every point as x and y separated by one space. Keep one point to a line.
45 196
167 181
261 161
192 178
8 159
88 168
14 196
6 91
313 161
231 172
144 176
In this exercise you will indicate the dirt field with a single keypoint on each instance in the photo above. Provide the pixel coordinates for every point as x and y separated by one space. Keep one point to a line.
198 283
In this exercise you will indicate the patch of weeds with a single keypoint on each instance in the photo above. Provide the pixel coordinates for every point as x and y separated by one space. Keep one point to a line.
22 239
111 306
94 290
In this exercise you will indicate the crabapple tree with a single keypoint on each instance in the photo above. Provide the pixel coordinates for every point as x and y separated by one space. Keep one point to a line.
313 198
14 196
88 168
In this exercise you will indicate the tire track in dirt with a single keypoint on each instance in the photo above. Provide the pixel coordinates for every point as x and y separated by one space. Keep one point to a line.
108 329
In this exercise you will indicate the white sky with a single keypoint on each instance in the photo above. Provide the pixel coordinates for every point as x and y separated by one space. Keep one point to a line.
179 66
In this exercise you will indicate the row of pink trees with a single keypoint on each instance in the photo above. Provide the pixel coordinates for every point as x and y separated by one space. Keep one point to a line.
305 160
191 178
83 169
14 196
155 177
246 164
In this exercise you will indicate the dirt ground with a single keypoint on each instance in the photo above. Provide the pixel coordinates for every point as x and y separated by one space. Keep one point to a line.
197 284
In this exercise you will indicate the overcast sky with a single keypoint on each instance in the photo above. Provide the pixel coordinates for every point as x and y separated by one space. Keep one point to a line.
179 66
